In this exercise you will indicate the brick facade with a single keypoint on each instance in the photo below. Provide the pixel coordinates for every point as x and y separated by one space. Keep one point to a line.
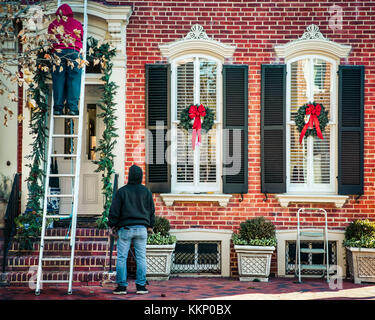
254 27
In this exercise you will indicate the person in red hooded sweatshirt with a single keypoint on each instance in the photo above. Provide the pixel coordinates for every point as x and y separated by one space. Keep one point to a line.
66 80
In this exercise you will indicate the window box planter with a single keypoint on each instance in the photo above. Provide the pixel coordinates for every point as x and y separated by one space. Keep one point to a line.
254 262
159 260
361 263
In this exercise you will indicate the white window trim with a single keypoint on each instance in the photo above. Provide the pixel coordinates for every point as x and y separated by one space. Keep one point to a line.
318 188
178 187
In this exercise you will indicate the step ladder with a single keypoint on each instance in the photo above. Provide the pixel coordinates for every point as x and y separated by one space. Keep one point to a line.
74 175
316 234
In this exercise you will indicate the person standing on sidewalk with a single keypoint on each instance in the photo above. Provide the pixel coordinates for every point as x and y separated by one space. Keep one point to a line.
131 216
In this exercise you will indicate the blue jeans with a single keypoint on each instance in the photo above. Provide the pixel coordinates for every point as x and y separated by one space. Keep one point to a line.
137 234
67 82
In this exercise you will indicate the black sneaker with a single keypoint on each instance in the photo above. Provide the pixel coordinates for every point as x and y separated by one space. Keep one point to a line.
120 290
141 289
73 113
58 112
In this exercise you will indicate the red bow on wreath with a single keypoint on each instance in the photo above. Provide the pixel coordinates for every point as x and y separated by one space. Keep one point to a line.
314 112
196 113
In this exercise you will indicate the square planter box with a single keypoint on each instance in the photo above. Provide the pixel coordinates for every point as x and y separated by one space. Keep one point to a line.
361 263
159 260
254 262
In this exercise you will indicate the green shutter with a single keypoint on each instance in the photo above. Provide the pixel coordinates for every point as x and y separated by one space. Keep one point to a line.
273 128
235 133
350 129
158 124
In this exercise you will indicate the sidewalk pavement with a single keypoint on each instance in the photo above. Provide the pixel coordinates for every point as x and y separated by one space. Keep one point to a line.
196 288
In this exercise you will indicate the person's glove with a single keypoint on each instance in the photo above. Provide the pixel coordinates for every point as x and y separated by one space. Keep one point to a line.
150 231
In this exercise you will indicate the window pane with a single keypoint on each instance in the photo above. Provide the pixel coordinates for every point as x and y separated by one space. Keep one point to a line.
298 157
185 156
322 83
208 84
185 86
207 165
322 94
322 158
91 132
299 85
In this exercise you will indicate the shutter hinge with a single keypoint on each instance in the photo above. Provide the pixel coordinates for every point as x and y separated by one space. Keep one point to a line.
357 197
266 197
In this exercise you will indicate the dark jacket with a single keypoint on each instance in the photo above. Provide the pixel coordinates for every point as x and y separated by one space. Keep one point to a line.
133 203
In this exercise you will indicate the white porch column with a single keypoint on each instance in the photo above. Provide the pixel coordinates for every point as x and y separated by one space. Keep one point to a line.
117 31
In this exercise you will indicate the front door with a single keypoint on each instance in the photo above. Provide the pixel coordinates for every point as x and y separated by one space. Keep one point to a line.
90 186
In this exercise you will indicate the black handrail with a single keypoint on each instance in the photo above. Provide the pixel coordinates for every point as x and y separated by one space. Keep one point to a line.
112 238
12 212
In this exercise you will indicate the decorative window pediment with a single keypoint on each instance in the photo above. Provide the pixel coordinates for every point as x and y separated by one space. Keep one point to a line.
197 41
312 41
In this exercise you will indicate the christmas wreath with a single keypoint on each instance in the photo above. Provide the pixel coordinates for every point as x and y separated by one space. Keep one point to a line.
311 119
191 118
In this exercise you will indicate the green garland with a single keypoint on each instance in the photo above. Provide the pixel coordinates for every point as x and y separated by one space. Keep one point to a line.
28 224
207 122
107 142
300 120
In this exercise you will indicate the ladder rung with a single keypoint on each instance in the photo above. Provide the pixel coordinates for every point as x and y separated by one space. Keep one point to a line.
62 155
56 259
59 195
65 136
62 175
313 267
54 281
56 238
308 250
66 117
311 234
57 216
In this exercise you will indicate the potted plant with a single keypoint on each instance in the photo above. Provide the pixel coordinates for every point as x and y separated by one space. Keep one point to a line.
360 250
5 191
159 250
254 244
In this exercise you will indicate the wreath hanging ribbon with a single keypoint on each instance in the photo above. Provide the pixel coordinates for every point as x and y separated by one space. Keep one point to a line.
316 123
314 112
196 113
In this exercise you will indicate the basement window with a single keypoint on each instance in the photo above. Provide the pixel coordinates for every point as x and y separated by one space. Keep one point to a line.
309 258
197 257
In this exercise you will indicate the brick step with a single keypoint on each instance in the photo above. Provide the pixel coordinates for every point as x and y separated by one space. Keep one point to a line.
81 263
28 279
81 247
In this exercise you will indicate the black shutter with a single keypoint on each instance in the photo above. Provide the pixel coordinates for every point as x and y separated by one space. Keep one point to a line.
273 128
158 125
350 129
235 166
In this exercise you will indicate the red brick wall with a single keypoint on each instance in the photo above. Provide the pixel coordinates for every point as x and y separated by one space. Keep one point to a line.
254 27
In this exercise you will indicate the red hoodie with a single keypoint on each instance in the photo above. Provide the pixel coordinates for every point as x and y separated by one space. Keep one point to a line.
69 25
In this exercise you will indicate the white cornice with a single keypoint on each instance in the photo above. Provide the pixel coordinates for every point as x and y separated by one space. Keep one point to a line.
312 40
196 40
100 10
